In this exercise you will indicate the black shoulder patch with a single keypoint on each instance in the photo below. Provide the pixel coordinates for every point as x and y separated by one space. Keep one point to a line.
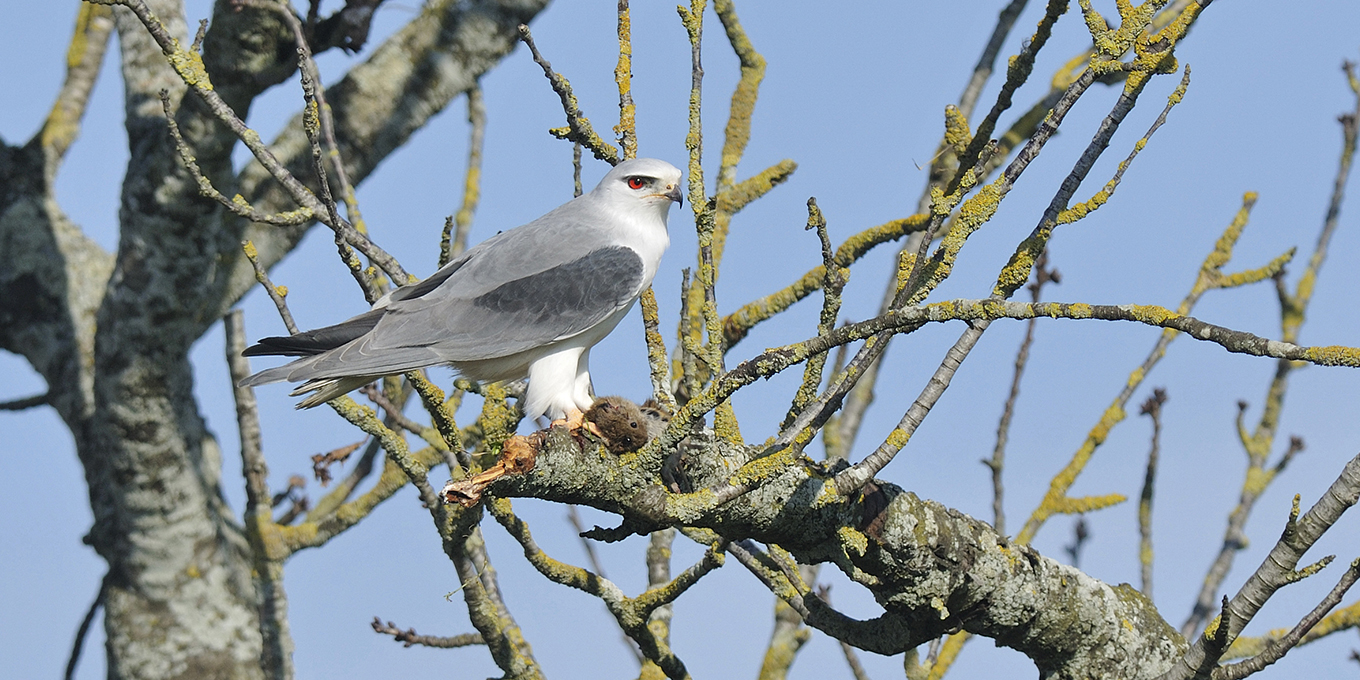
603 278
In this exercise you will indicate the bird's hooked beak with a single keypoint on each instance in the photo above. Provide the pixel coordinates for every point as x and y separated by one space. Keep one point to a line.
673 193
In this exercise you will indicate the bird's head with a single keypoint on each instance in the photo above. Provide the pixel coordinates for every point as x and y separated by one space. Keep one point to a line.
650 182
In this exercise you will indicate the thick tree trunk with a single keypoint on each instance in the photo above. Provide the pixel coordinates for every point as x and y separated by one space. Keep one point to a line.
179 599
179 602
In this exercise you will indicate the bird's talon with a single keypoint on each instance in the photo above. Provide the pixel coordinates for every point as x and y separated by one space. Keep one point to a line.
573 421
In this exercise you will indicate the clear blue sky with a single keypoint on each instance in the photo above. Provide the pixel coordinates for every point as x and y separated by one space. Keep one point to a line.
855 96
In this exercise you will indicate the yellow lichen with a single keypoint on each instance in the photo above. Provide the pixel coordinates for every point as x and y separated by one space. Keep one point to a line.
852 539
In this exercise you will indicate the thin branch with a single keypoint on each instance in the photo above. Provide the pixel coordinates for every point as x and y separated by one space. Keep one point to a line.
1153 409
1346 618
576 170
24 403
574 517
394 417
84 630
623 75
704 208
236 204
409 637
1276 571
578 127
816 414
1293 308
1018 71
997 463
861 394
834 283
1081 533
189 66
631 613
739 323
277 657
906 320
987 60
852 660
462 544
442 415
84 58
472 181
888 634
1210 277
276 293
656 351
307 66
930 276
1276 650
312 125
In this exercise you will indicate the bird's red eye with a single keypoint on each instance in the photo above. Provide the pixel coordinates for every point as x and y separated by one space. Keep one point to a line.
636 182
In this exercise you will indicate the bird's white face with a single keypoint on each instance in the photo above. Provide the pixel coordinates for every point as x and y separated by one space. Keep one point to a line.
654 190
648 184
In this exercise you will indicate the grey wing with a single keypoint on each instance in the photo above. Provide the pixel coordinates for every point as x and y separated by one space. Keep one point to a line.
518 315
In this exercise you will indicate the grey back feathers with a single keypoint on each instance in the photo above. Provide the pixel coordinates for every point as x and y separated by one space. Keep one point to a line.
521 290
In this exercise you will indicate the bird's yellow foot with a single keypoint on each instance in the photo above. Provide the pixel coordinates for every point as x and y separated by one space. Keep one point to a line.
575 420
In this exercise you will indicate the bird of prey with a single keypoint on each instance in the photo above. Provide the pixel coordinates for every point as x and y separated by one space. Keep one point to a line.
530 301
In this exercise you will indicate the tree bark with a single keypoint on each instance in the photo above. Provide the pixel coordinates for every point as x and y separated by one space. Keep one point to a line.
111 333
934 570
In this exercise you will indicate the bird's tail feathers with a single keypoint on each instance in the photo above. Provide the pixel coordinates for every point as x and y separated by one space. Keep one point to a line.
309 343
269 375
326 389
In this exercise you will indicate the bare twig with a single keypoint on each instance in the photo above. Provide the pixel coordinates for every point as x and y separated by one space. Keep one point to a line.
277 657
391 410
1276 570
461 540
84 630
1057 213
1277 649
574 517
834 283
277 294
576 189
852 660
1152 408
189 66
472 181
312 125
737 324
409 636
1210 277
236 205
578 127
26 402
997 463
1080 534
1258 445
623 75
307 66
632 614
816 414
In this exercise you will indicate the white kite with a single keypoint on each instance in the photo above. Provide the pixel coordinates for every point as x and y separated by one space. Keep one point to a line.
530 301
